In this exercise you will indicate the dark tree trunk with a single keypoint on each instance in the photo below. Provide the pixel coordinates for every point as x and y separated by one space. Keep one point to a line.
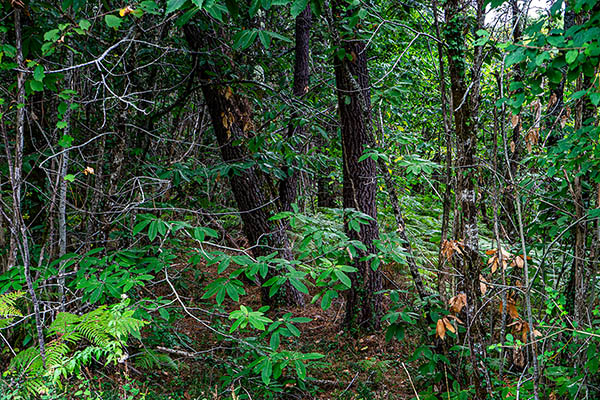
515 142
444 270
327 191
363 305
288 187
231 120
556 105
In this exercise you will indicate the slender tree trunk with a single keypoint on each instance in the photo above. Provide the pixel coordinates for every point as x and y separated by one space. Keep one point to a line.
443 274
15 162
556 104
401 226
469 263
232 122
62 196
363 305
288 187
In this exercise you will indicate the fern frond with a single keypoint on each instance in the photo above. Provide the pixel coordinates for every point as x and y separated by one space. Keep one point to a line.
7 304
150 359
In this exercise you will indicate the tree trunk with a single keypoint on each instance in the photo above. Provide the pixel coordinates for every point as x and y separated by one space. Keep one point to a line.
468 263
231 120
444 270
363 305
288 187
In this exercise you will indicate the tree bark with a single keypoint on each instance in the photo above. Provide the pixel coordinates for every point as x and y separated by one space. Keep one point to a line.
232 123
363 304
288 187
468 263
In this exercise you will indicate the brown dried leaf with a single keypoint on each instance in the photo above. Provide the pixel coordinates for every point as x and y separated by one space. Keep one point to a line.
514 120
88 170
519 262
552 100
454 317
482 284
457 303
512 310
563 121
524 330
448 325
440 329
494 264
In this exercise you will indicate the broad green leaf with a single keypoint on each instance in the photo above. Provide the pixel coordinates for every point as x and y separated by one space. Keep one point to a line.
84 24
65 141
38 73
343 278
112 21
571 56
244 39
36 86
174 5
297 7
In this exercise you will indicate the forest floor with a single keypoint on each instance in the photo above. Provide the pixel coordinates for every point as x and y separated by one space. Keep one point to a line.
364 367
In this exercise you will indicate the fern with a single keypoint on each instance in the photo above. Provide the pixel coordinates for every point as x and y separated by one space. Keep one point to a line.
150 359
8 310
105 329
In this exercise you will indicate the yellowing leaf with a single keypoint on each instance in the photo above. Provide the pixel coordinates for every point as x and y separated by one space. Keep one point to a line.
125 11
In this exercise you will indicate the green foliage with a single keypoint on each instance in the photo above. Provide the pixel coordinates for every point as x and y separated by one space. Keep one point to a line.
73 341
8 309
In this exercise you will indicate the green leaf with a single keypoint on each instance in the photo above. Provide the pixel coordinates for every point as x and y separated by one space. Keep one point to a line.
297 7
343 278
515 57
265 39
571 56
112 21
65 141
140 226
52 35
267 371
38 73
149 7
164 313
275 340
152 230
174 5
299 285
69 177
36 86
85 24
244 39
595 98
300 369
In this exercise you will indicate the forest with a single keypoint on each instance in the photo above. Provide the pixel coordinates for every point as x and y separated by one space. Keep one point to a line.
299 199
